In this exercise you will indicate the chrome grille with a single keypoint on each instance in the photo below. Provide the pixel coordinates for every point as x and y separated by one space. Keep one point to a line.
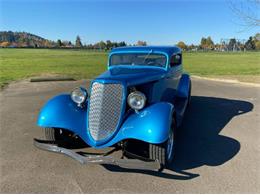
104 109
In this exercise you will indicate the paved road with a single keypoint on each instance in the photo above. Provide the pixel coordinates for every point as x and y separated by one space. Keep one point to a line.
218 147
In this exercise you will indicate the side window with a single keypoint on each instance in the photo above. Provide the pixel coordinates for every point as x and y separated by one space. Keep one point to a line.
176 60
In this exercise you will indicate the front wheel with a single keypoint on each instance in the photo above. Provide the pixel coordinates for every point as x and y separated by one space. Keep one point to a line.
164 152
63 137
52 134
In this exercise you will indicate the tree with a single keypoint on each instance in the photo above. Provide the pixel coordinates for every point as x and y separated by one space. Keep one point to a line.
190 47
206 43
210 43
246 12
182 45
59 43
250 45
257 45
100 45
257 36
203 43
109 44
78 42
121 44
257 41
47 43
5 44
141 43
232 44
114 44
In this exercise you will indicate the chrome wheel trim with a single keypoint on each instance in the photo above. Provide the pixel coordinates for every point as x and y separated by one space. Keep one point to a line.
170 145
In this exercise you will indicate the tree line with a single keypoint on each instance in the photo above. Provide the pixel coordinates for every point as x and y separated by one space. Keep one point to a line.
233 44
28 40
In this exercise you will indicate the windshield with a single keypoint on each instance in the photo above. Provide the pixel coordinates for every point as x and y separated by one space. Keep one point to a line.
138 59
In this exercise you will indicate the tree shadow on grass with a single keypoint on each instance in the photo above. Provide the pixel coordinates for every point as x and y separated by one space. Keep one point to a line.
198 140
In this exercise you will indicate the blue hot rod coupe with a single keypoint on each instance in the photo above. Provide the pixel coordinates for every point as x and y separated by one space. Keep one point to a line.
135 106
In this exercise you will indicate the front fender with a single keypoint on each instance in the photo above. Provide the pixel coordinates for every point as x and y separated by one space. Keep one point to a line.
151 125
62 112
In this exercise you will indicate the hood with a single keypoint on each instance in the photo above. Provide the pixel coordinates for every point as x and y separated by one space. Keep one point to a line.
133 75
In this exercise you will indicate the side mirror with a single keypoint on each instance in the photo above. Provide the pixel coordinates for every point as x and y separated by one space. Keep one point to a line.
176 60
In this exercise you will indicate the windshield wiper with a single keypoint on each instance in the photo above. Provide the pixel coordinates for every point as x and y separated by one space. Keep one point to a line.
149 53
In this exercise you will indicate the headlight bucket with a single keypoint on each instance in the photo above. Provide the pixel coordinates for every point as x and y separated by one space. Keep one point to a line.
79 95
136 100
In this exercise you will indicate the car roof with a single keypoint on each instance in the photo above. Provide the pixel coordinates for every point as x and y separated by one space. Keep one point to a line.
166 49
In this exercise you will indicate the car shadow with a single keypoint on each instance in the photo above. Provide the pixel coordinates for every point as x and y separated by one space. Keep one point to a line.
198 140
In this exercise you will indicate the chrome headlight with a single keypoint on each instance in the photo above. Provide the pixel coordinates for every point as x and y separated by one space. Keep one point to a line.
136 100
79 95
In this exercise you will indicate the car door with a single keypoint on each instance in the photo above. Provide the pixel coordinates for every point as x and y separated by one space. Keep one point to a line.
173 77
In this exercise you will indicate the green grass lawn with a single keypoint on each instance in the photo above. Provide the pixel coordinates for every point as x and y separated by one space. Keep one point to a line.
222 63
17 64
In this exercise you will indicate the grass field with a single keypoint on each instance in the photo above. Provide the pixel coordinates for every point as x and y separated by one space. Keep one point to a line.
17 64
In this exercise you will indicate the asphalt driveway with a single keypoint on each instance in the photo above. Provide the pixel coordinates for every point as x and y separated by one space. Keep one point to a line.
218 146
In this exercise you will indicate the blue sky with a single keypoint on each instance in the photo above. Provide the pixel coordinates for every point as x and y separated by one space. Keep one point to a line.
157 22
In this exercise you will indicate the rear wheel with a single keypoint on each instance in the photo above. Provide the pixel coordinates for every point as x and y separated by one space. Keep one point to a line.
164 152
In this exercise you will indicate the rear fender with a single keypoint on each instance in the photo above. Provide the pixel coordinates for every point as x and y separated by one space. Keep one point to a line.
184 86
182 98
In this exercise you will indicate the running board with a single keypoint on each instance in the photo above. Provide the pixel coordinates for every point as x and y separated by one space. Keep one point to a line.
98 159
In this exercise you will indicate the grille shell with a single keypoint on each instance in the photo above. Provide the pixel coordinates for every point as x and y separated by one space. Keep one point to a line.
105 109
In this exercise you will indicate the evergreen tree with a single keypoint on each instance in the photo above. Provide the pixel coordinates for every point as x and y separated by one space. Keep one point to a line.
59 43
78 42
250 45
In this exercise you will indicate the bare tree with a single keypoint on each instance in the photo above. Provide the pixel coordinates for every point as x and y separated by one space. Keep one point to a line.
246 11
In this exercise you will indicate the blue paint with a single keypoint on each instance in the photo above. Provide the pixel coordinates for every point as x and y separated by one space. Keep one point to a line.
132 75
162 86
168 50
62 112
151 125
184 85
147 125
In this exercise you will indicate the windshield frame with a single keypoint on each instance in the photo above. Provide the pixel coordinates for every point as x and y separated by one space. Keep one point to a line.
141 52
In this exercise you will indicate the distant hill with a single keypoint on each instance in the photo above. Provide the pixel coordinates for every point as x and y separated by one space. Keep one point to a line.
23 39
27 40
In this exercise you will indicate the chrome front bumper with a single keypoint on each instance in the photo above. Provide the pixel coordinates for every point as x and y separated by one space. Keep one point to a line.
98 159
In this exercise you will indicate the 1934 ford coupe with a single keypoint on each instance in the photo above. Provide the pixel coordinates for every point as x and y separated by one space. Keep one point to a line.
139 103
